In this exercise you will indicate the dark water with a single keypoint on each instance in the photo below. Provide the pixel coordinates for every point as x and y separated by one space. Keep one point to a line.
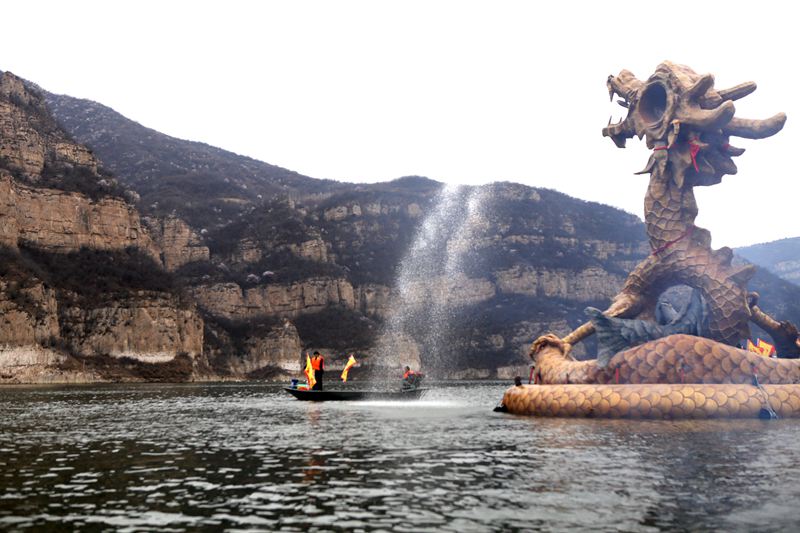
249 457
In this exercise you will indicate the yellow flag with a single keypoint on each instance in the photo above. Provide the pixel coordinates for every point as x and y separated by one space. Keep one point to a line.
309 372
348 366
765 348
752 347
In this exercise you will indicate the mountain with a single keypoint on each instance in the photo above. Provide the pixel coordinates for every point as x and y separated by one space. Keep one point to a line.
204 185
139 256
780 257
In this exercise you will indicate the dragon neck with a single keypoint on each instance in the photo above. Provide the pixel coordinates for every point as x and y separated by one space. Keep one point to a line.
670 209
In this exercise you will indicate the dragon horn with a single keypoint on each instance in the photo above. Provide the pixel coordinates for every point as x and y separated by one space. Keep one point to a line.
738 91
755 129
701 86
710 119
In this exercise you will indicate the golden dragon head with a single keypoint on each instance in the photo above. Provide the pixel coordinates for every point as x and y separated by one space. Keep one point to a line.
680 112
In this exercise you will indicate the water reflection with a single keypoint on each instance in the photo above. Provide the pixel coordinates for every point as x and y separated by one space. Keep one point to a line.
197 457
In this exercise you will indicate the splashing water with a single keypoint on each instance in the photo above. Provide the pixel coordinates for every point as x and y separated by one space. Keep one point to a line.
433 280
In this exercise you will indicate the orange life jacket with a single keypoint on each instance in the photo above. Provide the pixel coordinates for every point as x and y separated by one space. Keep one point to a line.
408 373
317 363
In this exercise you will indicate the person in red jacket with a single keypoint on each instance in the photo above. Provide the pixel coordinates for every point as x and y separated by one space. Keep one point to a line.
318 364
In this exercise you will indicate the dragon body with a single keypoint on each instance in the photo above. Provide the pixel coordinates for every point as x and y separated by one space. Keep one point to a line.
674 359
679 376
687 124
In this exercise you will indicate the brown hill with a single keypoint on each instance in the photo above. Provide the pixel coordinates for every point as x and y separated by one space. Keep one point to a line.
202 184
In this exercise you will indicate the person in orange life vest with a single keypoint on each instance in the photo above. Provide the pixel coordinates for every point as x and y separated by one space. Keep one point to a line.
411 378
318 364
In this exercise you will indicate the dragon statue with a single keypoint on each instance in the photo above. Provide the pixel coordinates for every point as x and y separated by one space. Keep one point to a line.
690 366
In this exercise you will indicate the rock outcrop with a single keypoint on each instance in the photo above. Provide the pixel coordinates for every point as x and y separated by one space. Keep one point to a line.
28 313
179 243
65 203
41 326
35 364
29 138
280 348
313 250
149 327
230 301
63 222
583 285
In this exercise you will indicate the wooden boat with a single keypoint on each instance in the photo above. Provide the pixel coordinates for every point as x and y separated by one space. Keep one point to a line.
354 395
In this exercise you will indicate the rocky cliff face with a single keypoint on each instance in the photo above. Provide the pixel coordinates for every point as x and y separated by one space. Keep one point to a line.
535 263
35 364
179 244
76 259
38 313
149 327
40 167
585 285
277 349
231 301
28 313
63 222
29 140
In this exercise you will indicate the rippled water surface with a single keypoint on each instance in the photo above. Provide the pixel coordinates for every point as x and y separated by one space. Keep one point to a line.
249 456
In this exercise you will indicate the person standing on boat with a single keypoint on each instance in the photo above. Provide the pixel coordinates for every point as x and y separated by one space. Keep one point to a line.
318 364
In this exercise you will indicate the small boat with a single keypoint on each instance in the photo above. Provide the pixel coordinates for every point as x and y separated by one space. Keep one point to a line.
354 395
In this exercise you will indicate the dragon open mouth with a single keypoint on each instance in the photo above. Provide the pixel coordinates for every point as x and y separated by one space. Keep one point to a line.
653 103
680 111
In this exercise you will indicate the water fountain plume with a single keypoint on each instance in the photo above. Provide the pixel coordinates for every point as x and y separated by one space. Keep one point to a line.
433 281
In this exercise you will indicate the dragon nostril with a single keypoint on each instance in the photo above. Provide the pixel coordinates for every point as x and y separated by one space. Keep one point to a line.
653 103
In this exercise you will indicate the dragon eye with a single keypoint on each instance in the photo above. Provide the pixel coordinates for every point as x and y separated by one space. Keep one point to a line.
653 103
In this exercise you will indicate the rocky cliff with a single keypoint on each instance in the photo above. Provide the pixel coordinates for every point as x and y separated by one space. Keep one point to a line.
179 244
538 259
61 222
53 321
78 265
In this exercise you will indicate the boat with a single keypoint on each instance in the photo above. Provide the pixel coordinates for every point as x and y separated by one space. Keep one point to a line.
354 395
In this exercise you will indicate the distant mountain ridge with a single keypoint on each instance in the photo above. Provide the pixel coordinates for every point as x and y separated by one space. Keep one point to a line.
199 182
781 257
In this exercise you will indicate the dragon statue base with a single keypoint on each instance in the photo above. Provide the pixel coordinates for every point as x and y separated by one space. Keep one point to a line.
691 366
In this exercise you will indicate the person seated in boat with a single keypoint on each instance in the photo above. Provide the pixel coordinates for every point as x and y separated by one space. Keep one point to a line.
318 364
411 378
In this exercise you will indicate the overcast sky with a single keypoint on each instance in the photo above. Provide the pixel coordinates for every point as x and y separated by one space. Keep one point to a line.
459 91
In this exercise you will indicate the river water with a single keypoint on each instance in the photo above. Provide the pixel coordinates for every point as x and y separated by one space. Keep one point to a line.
250 457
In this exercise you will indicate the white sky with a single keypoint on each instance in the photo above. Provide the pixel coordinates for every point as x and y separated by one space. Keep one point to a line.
459 91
